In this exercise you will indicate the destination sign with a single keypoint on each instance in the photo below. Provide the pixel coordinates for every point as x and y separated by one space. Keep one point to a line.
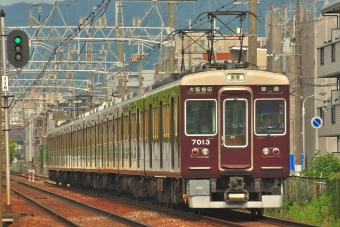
200 90
270 89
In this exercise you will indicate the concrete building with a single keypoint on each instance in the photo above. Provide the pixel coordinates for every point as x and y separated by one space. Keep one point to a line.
293 49
328 62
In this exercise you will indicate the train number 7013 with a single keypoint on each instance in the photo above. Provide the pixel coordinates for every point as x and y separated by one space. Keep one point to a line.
200 141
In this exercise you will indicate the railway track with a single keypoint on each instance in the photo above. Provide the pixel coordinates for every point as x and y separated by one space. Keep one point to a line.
56 204
209 218
150 206
216 217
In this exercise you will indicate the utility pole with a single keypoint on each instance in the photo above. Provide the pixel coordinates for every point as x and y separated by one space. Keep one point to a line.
252 42
6 107
298 86
119 25
140 68
3 60
171 48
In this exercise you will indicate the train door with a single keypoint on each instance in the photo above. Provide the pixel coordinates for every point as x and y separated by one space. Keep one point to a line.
235 128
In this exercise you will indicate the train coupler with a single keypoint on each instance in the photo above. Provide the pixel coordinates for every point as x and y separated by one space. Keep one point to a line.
236 197
236 192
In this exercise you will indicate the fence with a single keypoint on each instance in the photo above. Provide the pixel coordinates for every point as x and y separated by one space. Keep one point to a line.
23 167
302 189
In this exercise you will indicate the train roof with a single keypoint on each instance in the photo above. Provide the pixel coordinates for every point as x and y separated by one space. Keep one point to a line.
203 74
251 77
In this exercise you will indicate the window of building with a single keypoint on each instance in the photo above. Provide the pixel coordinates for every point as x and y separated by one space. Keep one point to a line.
333 52
322 56
333 114
200 45
321 114
197 61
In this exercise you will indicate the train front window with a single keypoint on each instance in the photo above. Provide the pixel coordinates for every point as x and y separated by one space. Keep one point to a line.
235 122
269 116
200 117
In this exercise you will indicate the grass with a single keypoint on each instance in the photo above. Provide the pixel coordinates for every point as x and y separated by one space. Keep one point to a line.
317 212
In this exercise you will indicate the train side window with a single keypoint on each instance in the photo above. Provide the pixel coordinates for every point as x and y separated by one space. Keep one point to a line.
160 133
114 140
150 138
87 144
80 145
95 143
172 132
74 147
101 141
200 117
270 116
138 136
129 139
123 128
107 141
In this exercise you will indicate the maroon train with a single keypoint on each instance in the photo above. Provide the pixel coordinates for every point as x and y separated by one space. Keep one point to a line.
211 139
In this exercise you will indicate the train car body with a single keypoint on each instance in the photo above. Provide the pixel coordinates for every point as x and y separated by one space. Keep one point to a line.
203 140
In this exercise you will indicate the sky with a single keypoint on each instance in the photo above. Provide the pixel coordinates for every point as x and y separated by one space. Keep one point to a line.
10 2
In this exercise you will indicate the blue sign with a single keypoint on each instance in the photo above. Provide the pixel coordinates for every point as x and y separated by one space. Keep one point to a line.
316 122
291 163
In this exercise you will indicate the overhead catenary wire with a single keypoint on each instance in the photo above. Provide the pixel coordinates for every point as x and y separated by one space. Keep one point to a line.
127 67
67 40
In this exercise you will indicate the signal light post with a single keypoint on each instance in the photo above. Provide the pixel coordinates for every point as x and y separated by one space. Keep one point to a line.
17 48
18 56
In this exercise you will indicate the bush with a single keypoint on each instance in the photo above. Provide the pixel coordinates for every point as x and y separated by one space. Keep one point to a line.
322 165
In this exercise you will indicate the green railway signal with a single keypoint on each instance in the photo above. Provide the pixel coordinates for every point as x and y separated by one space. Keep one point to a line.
17 40
17 48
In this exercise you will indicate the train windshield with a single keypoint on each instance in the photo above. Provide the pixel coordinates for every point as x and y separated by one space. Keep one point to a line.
269 116
200 117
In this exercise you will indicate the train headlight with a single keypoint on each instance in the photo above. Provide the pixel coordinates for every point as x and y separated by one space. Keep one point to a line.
194 151
265 151
205 151
276 151
230 77
240 77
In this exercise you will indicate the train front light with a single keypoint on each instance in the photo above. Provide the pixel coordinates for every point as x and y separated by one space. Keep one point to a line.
276 151
265 151
205 151
230 77
240 77
194 151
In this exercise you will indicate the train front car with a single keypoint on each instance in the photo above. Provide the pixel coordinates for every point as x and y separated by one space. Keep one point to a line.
235 140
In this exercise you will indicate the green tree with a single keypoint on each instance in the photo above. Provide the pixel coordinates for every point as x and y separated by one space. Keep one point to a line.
12 148
322 165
